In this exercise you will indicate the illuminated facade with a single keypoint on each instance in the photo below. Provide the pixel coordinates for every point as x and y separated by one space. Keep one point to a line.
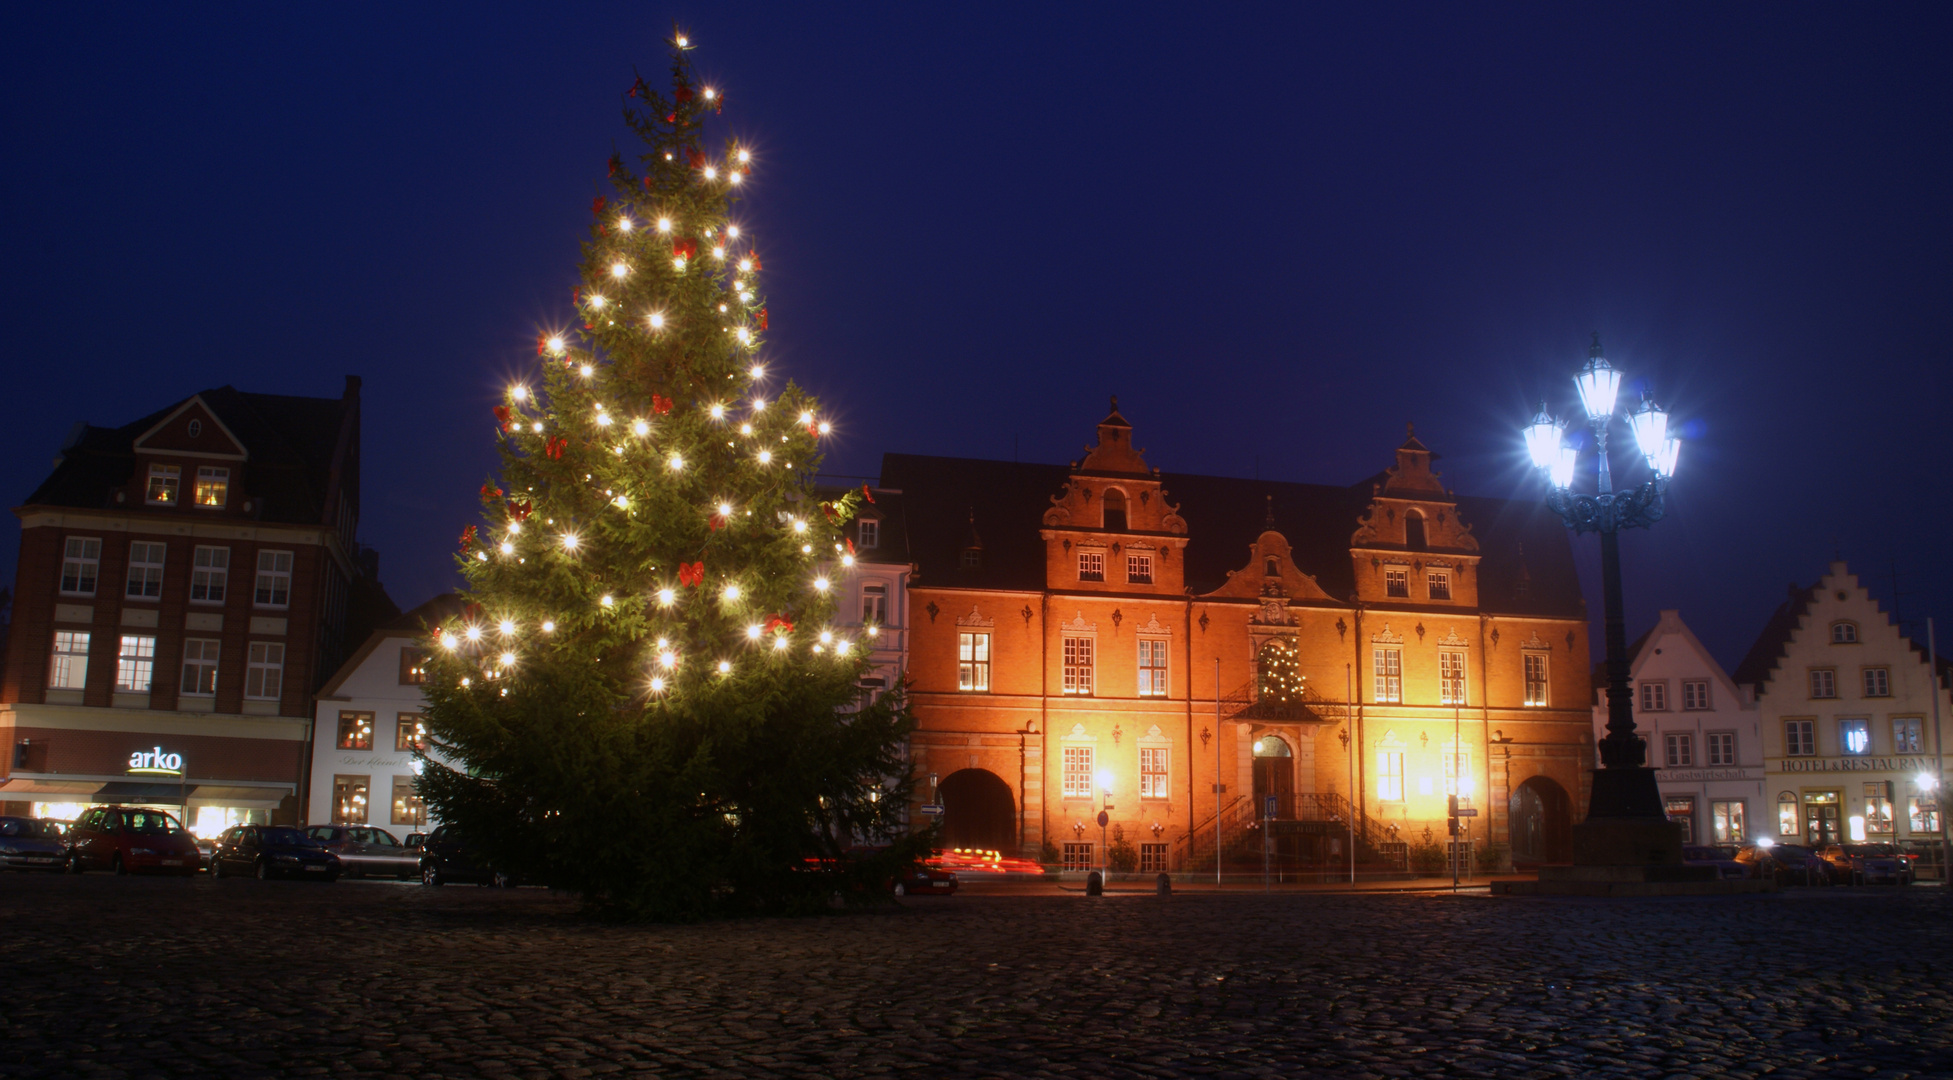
1104 626
1846 708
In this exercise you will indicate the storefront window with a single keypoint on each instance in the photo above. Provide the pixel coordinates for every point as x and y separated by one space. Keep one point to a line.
1787 815
1878 807
1681 810
407 807
1924 812
210 821
349 799
1727 821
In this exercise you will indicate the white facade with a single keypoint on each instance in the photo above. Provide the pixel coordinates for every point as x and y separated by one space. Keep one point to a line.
1702 734
362 770
876 593
1846 709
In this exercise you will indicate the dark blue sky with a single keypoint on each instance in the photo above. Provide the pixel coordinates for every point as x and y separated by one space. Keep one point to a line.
1277 233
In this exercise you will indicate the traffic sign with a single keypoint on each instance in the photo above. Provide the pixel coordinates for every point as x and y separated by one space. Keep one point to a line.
1268 805
1104 818
932 808
1469 812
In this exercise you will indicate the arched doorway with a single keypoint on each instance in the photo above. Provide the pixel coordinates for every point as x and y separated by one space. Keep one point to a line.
978 811
1540 823
1274 773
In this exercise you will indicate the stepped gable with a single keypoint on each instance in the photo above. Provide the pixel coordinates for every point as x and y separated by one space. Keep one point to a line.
1770 645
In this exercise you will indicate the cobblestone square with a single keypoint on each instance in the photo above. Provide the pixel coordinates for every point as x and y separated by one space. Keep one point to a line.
113 977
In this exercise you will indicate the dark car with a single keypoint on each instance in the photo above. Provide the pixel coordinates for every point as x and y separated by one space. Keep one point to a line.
1868 863
447 856
923 879
131 840
1790 864
365 851
27 844
272 851
1723 859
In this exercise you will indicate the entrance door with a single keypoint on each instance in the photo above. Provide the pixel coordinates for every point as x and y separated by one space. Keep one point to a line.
978 811
1821 819
1274 774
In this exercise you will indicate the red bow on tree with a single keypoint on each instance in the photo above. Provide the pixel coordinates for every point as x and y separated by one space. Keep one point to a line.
467 537
828 509
850 544
647 183
778 624
815 431
866 494
755 257
520 511
504 416
576 294
691 573
682 94
471 612
490 491
638 88
693 155
762 310
553 446
542 345
684 249
660 404
598 206
716 522
615 164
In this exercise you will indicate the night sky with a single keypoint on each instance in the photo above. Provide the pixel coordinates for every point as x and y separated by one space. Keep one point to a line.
1277 234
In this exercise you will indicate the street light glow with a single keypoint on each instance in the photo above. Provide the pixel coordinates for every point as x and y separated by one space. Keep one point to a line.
1598 383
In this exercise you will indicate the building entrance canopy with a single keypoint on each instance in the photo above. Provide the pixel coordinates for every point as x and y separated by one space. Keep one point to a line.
264 796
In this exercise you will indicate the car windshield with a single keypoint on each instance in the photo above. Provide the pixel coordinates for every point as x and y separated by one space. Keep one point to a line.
384 838
287 837
150 822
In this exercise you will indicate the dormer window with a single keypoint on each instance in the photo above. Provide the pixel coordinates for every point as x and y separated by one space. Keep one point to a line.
1115 510
1271 566
163 483
869 533
1844 633
1414 531
972 558
213 485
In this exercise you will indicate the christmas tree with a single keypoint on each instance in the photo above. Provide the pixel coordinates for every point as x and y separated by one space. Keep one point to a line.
646 701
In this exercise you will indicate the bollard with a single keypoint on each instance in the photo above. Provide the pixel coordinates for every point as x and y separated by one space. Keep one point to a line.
1163 885
1094 884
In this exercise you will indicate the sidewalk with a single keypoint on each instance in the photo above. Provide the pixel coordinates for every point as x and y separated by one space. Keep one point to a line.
974 885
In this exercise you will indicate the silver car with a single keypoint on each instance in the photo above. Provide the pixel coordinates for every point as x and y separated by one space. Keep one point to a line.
366 851
27 844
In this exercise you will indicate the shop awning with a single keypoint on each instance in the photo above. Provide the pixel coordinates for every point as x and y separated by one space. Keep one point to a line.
126 791
241 796
19 787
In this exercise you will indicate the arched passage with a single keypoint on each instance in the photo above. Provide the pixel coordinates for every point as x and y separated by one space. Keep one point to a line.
1541 823
978 811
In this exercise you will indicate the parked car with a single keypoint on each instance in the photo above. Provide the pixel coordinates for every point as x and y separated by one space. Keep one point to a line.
1868 863
55 826
365 851
1723 859
1790 864
447 856
131 840
272 851
27 844
923 879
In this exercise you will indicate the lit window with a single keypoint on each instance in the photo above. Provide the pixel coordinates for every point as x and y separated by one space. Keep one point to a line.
1654 697
1878 682
1389 668
1139 569
1439 582
81 561
1728 822
264 673
1091 566
1824 683
874 603
408 809
145 570
1800 738
1905 735
1457 764
1078 772
355 731
1924 811
1844 633
409 732
1722 748
70 667
1695 693
413 666
213 485
209 574
1878 807
1787 815
1451 678
349 799
274 579
1390 775
1855 736
135 663
1536 679
200 666
868 533
973 662
163 482
1681 810
1396 581
1152 772
1152 667
1680 750
1078 665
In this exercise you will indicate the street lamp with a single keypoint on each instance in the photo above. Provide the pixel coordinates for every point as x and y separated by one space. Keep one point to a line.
1623 787
1105 795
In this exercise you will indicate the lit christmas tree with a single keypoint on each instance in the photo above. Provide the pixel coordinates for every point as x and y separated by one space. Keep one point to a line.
646 696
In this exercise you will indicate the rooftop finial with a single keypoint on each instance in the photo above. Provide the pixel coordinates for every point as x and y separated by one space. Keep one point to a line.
1594 349
1271 511
1115 403
1410 430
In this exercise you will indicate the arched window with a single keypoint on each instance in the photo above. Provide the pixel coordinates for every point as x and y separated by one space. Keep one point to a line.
1414 531
1844 633
1115 510
1272 566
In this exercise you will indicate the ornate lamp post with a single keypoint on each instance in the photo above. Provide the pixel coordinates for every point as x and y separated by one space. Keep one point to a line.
1624 787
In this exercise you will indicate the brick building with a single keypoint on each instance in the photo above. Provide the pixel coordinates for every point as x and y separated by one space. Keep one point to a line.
185 583
1106 626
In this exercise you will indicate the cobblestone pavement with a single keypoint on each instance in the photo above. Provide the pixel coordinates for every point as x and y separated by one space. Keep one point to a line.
114 977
